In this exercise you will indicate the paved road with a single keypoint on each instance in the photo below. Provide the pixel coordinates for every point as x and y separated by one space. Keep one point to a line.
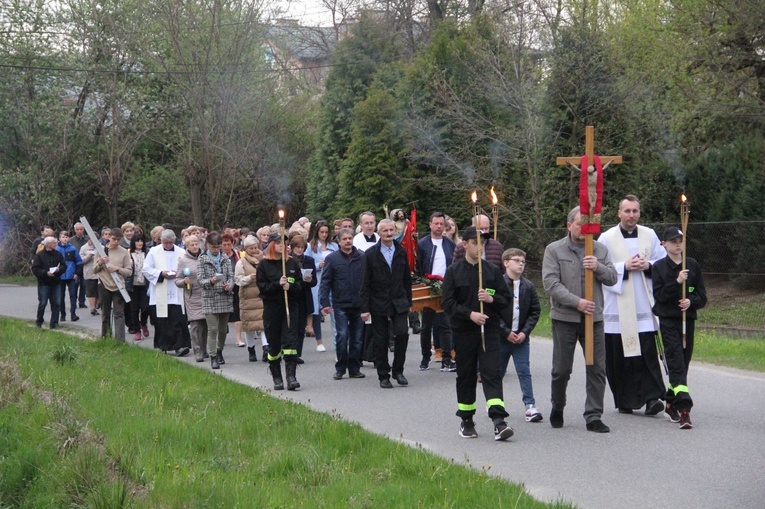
643 462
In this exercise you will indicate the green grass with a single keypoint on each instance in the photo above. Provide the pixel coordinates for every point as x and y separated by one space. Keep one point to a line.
13 279
103 424
732 352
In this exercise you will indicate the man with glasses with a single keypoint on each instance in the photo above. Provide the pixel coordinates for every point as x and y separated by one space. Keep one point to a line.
514 337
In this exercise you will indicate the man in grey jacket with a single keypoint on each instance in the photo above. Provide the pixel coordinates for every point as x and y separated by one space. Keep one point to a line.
563 276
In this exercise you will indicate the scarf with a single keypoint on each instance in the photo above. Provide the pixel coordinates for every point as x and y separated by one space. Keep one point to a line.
215 259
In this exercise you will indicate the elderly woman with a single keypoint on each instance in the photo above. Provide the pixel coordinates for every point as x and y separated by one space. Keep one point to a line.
192 295
216 276
250 305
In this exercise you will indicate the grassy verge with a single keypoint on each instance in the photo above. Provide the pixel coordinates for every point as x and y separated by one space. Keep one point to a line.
100 424
18 280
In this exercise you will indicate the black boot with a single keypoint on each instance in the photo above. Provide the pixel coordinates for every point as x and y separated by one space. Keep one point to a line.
276 373
214 362
220 357
265 354
253 355
292 383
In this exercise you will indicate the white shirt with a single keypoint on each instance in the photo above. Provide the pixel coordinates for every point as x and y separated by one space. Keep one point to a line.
439 258
362 244
516 304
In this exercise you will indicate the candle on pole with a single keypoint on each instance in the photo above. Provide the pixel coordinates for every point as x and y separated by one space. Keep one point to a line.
284 264
476 213
494 210
685 210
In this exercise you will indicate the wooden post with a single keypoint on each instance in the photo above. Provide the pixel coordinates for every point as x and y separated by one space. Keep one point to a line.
589 243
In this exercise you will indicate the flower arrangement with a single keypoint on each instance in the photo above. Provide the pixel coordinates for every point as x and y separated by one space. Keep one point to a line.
433 282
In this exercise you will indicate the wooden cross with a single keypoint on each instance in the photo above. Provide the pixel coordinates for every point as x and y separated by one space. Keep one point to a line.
589 356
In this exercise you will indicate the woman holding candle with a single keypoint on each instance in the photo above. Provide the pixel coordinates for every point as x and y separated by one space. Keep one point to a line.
277 277
192 295
250 304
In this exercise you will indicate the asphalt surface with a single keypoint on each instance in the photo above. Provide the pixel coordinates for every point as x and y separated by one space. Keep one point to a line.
643 462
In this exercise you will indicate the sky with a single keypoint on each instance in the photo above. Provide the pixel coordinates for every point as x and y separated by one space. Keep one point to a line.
308 12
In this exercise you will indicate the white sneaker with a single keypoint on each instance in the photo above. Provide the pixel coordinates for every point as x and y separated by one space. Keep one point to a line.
532 414
320 348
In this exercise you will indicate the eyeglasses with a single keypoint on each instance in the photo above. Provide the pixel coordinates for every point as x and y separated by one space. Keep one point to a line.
519 261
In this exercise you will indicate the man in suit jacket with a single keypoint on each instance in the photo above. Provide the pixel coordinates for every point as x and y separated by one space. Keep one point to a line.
386 297
514 337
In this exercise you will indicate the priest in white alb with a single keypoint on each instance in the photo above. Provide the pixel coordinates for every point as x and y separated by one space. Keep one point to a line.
632 363
160 268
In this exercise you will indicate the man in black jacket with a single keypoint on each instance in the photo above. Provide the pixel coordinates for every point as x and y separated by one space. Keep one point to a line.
48 265
341 277
476 334
386 297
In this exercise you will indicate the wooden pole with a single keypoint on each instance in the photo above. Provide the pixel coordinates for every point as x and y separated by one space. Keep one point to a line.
284 265
685 210
476 212
589 243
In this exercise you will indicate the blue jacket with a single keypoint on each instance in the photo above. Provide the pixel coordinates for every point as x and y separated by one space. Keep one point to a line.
426 253
342 277
72 258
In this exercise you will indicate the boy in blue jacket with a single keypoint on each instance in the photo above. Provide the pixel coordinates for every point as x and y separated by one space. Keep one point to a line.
69 279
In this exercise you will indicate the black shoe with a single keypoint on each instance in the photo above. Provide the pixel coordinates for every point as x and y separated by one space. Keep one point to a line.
200 359
425 364
401 379
38 325
625 410
502 431
75 317
356 374
685 419
653 407
220 357
556 418
448 366
337 376
385 384
253 357
416 330
672 412
83 305
299 361
63 318
94 311
265 354
467 429
597 426
181 352
214 362
205 355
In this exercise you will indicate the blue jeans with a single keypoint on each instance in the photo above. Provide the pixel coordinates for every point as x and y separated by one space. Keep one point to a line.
47 293
350 337
520 355
70 285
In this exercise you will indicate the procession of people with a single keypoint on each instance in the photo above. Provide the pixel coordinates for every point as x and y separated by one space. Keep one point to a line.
288 280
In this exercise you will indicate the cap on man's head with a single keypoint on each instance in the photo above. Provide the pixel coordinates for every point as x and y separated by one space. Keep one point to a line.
672 232
470 233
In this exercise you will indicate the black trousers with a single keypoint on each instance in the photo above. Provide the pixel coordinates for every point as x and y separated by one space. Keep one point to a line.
634 380
469 349
430 321
381 326
678 359
280 334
